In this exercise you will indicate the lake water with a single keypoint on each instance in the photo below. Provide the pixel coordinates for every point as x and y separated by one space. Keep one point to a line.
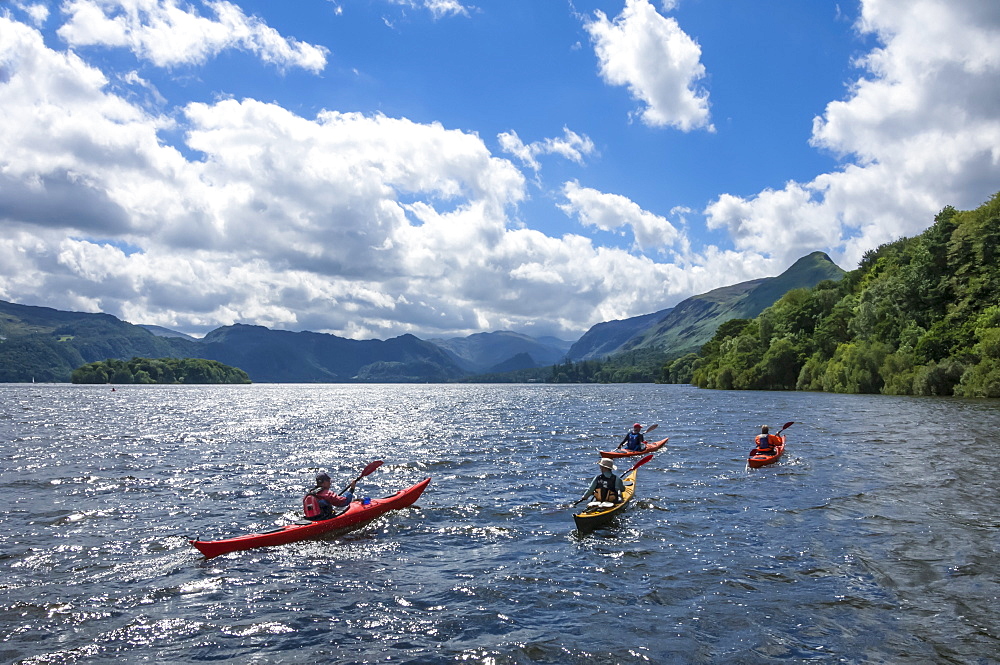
874 540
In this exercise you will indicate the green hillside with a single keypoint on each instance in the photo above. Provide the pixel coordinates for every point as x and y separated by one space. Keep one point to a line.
642 349
43 344
46 345
919 316
694 321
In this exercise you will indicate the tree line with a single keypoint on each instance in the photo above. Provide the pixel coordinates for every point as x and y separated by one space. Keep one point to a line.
159 370
636 366
919 316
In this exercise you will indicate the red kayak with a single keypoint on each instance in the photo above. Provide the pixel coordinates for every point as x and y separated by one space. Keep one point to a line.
355 516
650 447
758 460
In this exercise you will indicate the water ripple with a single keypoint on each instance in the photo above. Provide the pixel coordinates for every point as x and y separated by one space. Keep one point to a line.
853 548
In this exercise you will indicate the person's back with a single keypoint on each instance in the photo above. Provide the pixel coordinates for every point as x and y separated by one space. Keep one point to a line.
765 441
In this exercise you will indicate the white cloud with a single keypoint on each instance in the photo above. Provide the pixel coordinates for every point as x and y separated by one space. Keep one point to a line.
360 225
38 12
658 62
168 34
922 129
571 145
438 8
610 212
370 226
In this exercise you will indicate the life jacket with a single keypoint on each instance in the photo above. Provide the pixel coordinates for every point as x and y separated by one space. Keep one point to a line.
634 441
608 484
311 506
764 442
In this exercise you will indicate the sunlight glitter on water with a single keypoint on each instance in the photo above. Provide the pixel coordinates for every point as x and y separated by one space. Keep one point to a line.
491 569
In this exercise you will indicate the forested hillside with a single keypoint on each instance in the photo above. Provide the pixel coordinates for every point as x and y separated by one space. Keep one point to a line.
44 344
919 316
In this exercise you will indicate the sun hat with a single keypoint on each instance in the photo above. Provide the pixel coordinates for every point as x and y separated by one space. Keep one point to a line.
605 463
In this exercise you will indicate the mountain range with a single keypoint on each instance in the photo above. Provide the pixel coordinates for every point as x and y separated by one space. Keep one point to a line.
44 344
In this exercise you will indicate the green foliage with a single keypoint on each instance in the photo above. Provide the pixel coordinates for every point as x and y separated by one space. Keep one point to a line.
919 316
161 370
637 366
680 370
25 359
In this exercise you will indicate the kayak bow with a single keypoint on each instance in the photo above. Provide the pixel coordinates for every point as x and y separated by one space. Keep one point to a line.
356 515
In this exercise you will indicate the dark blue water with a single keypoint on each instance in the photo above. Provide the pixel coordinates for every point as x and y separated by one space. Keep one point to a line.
874 540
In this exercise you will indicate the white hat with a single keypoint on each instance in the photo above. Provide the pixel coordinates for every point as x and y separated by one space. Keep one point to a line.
605 463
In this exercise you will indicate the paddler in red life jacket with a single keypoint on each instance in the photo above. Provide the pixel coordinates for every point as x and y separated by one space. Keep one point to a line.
634 441
319 502
765 442
607 487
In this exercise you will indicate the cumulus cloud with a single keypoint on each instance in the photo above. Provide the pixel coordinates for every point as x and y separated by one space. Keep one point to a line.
610 212
658 62
169 34
571 145
360 225
37 12
919 130
366 225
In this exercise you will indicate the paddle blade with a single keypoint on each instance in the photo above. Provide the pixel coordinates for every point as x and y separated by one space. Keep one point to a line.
651 428
368 469
638 464
788 424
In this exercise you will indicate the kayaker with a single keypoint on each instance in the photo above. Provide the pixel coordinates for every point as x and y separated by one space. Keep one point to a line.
634 441
765 442
319 502
607 487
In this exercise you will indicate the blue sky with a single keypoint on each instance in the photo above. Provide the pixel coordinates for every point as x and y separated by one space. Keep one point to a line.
441 167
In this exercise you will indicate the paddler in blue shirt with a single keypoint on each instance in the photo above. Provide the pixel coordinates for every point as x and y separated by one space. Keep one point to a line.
607 487
634 441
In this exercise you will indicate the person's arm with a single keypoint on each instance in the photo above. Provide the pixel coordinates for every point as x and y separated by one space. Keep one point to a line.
619 485
336 500
590 490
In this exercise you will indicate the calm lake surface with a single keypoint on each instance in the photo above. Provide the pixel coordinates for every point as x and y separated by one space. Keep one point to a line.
874 540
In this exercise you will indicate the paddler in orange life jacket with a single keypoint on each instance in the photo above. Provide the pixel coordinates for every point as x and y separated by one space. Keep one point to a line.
765 442
607 487
634 441
320 501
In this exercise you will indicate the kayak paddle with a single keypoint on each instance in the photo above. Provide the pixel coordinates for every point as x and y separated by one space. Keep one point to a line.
367 471
638 464
630 470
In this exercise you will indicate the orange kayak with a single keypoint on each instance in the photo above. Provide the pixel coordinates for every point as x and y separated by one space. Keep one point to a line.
758 460
650 447
356 515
